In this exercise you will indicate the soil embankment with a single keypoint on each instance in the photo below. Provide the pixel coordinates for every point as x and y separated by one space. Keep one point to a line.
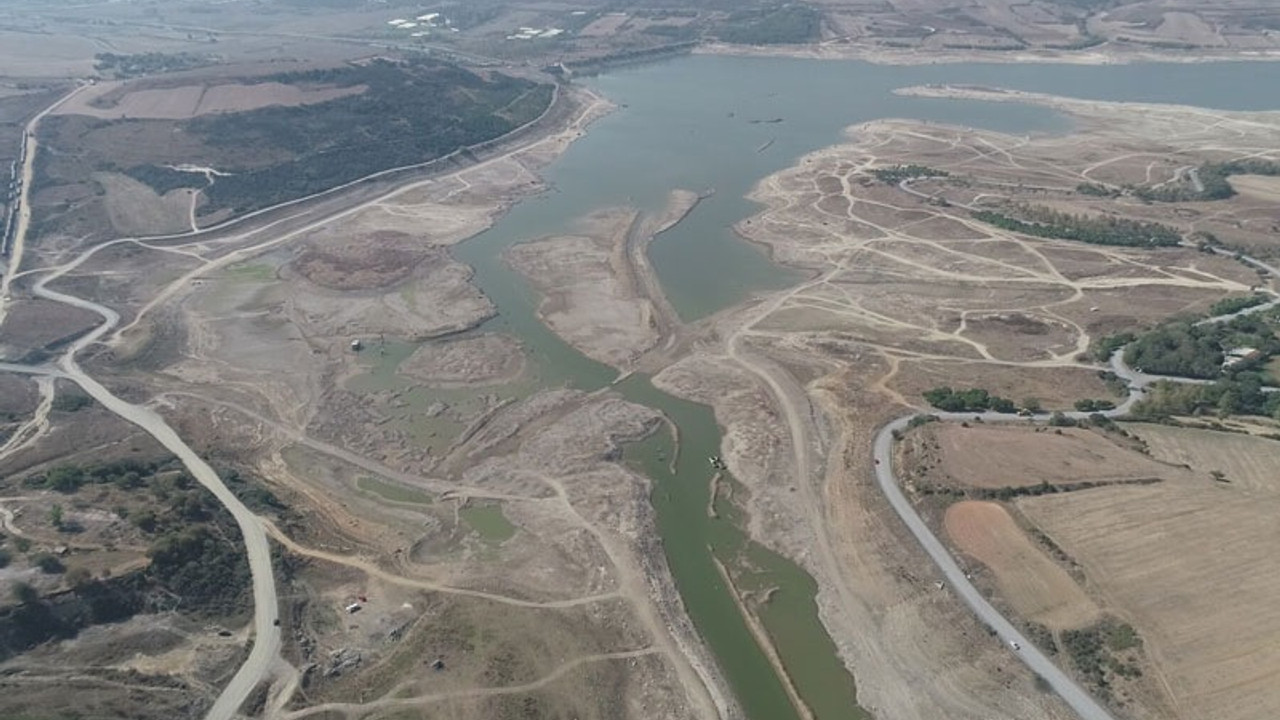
599 292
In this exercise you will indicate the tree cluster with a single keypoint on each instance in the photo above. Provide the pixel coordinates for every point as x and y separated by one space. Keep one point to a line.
790 23
410 112
898 173
1104 230
150 63
1197 350
970 400
1239 394
1213 178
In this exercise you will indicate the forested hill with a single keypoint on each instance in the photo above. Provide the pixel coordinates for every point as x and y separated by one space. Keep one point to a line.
410 112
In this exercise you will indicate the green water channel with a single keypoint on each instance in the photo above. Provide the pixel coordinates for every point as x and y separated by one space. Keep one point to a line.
698 123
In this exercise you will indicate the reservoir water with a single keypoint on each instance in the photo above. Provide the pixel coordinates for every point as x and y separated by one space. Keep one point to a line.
698 123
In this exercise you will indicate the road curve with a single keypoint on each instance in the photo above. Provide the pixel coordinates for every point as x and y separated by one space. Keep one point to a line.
1075 696
266 643
267 636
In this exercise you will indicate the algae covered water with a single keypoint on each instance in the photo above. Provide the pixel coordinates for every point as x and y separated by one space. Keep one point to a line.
723 123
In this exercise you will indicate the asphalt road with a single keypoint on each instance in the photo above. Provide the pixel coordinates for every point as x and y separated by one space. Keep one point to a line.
1077 697
1073 694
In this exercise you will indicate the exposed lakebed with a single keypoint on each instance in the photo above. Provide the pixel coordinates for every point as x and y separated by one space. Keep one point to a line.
722 123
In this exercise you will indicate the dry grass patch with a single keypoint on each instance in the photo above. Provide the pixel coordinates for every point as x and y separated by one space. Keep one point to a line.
991 456
114 100
1258 186
1054 387
1244 460
1028 579
1192 565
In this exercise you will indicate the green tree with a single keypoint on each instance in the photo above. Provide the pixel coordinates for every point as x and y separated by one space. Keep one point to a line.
24 593
48 564
55 516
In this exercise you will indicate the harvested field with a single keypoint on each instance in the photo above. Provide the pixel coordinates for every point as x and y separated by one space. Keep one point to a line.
1029 580
1055 388
1258 186
116 100
995 456
1192 565
1244 460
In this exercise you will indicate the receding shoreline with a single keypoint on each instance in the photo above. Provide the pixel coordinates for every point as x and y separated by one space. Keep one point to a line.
911 57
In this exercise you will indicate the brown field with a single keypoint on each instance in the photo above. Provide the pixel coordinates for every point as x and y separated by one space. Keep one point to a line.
1247 462
1028 579
115 100
605 26
1055 388
994 456
1191 563
1258 186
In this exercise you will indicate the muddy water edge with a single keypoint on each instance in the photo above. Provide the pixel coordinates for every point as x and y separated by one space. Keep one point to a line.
722 123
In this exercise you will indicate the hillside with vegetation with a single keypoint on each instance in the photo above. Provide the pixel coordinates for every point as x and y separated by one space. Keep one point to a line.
1202 350
409 112
1095 230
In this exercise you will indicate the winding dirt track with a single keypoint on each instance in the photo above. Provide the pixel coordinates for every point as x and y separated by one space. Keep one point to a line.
264 659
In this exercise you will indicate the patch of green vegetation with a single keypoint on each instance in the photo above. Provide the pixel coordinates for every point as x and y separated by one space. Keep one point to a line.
1273 371
252 272
1232 305
898 173
970 400
70 401
1090 405
1188 349
1104 347
1097 190
164 179
688 31
1239 394
151 63
1213 178
393 491
791 23
1048 223
920 420
196 554
411 112
1100 653
489 522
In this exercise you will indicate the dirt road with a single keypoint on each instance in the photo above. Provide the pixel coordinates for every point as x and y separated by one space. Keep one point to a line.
19 242
264 659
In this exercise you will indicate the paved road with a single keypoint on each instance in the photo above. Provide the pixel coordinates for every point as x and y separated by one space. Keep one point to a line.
267 641
1077 697
264 658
